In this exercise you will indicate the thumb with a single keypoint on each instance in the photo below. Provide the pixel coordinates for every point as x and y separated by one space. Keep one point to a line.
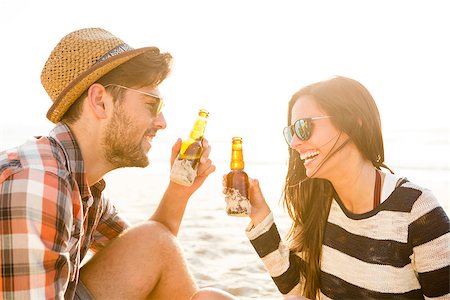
255 189
175 149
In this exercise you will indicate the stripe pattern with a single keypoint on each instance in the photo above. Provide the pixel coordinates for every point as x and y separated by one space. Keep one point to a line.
49 217
401 249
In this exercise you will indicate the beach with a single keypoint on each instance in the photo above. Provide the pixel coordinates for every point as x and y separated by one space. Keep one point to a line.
217 250
243 60
215 245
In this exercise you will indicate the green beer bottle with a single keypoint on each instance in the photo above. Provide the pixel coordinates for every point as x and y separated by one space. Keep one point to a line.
184 169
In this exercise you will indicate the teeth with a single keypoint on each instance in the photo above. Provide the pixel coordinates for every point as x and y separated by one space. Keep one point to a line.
309 155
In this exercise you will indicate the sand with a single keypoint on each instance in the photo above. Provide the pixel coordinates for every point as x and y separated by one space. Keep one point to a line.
217 250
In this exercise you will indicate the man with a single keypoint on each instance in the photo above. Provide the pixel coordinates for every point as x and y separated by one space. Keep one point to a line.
107 108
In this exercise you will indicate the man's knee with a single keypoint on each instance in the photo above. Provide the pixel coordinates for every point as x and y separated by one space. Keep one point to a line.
146 252
150 227
212 294
152 235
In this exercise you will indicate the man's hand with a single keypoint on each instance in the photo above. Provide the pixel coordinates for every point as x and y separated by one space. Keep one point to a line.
171 208
205 167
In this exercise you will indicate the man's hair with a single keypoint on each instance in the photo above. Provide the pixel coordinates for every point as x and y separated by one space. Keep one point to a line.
147 69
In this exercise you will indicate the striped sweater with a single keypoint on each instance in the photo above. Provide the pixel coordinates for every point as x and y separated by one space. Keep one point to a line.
401 249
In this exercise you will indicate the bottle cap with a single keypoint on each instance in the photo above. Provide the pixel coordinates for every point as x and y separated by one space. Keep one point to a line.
203 112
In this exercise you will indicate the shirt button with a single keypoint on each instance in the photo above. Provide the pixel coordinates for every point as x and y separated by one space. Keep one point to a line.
90 201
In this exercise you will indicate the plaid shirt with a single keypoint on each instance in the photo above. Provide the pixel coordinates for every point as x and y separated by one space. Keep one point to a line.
49 217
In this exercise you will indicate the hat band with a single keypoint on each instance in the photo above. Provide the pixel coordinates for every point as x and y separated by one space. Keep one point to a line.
115 51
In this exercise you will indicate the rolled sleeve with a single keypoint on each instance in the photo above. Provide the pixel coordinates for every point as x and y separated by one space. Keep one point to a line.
111 224
253 232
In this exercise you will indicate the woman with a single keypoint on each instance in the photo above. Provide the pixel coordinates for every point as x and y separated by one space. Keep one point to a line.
358 232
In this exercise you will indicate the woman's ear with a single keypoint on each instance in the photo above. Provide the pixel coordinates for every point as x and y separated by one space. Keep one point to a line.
96 100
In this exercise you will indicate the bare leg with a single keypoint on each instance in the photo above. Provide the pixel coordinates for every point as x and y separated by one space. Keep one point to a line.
210 294
144 262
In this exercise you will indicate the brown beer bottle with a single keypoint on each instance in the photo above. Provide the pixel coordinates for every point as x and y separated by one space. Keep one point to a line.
237 183
184 169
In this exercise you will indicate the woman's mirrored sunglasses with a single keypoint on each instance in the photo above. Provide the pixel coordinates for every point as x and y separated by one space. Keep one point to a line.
302 129
158 105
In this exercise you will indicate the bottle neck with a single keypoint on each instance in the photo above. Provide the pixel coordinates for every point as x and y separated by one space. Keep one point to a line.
237 165
198 131
237 158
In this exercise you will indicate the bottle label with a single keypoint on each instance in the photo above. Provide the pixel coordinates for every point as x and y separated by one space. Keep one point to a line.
237 205
183 171
191 150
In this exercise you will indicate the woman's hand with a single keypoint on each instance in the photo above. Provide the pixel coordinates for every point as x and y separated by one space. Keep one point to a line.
260 209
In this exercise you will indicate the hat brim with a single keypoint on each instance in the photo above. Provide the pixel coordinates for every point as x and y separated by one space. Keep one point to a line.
80 84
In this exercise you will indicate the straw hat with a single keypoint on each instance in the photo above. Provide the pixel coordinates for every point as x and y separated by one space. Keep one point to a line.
78 61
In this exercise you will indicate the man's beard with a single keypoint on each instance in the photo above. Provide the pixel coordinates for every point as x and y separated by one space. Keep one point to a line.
123 143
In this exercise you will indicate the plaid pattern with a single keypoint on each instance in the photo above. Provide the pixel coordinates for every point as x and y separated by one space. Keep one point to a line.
49 217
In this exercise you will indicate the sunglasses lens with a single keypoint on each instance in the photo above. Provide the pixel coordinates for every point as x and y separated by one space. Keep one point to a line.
288 134
303 129
160 106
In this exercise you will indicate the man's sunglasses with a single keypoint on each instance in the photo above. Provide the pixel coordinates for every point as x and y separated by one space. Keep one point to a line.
302 129
156 106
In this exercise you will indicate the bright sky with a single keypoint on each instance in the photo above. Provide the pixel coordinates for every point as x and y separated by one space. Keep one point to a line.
242 60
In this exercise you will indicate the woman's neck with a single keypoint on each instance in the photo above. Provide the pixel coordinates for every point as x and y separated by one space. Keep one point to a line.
355 186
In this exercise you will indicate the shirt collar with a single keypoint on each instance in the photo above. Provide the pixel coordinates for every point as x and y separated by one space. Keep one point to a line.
64 138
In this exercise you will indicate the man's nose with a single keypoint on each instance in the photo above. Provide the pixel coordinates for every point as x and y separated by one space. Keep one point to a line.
160 121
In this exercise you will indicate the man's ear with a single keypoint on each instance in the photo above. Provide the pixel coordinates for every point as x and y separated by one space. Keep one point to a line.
96 98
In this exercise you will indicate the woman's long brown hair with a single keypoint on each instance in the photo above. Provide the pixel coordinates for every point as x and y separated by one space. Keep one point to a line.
308 200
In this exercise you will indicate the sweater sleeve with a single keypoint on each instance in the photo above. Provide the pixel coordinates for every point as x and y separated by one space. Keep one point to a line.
283 265
430 238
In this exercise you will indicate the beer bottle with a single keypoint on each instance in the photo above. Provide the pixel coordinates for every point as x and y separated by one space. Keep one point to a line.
236 194
184 169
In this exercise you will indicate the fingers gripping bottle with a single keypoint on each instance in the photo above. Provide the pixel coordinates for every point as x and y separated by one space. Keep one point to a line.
237 183
184 169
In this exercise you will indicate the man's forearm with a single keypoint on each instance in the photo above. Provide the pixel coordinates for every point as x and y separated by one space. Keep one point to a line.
171 208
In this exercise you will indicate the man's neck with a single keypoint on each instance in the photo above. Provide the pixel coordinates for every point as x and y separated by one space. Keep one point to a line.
89 141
